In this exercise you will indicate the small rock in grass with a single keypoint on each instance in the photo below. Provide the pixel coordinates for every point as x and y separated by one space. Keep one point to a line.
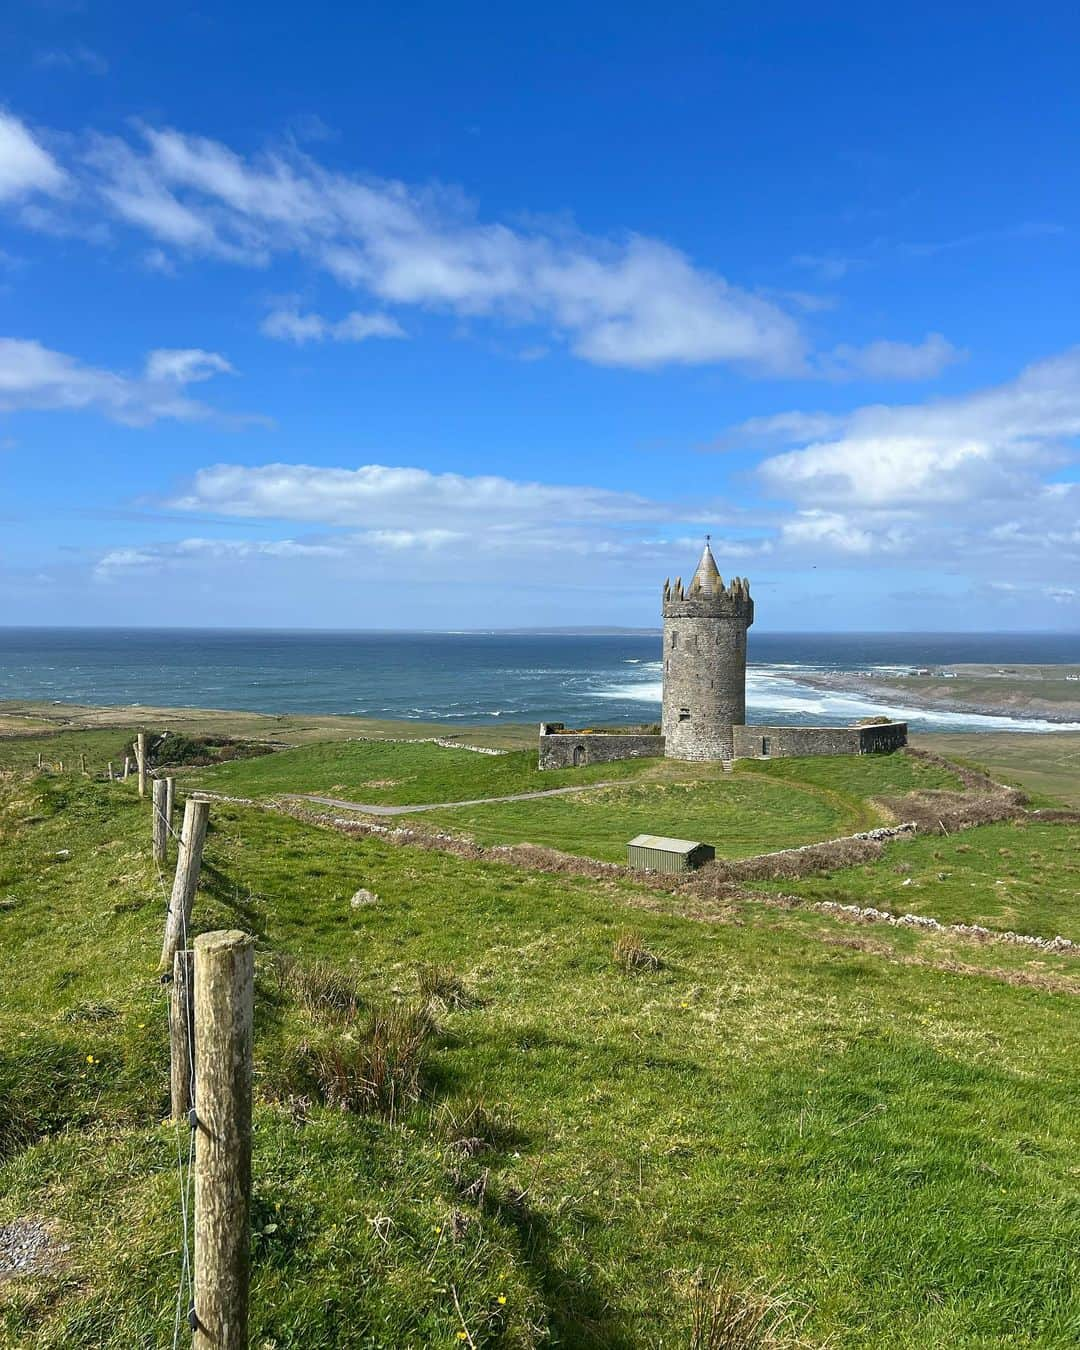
363 897
25 1247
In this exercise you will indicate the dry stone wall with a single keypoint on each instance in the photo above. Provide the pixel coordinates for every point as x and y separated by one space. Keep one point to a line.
561 749
753 742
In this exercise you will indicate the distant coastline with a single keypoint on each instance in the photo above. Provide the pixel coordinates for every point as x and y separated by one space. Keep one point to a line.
1049 693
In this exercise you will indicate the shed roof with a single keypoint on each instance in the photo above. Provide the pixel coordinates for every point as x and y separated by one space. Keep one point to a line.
668 845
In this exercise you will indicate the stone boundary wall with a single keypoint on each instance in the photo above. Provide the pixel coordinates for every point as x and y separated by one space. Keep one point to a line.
427 740
788 741
561 749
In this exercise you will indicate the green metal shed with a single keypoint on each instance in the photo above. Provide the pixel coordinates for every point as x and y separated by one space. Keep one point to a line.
655 853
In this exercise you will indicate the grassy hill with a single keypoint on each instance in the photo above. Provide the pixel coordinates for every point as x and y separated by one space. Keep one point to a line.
872 1132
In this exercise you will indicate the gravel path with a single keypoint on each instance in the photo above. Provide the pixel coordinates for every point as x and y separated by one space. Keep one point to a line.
383 810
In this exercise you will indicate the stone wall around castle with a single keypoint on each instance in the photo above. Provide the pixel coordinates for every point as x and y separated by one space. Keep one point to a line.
561 749
774 742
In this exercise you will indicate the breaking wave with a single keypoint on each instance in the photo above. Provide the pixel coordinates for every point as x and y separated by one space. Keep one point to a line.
774 697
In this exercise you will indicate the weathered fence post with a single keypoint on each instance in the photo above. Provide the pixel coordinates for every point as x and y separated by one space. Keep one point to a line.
186 881
61 766
110 771
181 1034
161 823
39 759
140 760
170 801
127 767
224 999
82 763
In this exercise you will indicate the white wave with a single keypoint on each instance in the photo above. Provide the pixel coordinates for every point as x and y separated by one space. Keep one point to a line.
770 697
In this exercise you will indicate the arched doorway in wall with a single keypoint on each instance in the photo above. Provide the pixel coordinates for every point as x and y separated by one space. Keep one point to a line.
580 756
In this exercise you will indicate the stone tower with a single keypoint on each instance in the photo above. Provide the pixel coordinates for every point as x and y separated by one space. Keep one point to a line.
705 662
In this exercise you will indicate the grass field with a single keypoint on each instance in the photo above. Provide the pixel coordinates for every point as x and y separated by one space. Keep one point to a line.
1046 766
19 717
871 1140
1017 875
760 807
376 772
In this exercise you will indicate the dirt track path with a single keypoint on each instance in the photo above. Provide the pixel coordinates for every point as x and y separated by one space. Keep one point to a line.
371 809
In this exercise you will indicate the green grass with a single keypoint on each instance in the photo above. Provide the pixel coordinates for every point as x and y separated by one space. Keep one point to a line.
1017 875
99 747
874 1140
761 806
1046 765
374 772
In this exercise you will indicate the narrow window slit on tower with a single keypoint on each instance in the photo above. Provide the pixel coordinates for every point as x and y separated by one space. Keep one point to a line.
684 714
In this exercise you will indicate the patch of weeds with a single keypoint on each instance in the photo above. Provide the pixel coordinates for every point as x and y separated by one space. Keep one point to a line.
474 1128
630 954
440 986
88 1011
726 1316
378 1069
319 986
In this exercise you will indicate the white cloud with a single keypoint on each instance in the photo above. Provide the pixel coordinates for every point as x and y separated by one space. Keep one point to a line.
975 445
630 301
33 377
157 557
779 429
623 300
831 531
185 365
885 360
25 165
385 497
291 325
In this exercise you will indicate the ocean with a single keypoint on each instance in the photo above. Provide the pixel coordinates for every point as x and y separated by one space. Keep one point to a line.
484 677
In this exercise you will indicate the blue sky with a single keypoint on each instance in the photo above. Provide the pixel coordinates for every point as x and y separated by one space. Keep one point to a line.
448 316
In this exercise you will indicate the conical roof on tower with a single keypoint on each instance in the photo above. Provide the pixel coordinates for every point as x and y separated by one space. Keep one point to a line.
707 578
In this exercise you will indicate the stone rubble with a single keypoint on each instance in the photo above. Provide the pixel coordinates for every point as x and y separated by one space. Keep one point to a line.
25 1247
431 740
971 930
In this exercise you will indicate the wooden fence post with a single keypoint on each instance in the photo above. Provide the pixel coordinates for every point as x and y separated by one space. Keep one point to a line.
170 801
39 759
110 771
127 767
224 1002
140 760
181 1033
186 881
161 824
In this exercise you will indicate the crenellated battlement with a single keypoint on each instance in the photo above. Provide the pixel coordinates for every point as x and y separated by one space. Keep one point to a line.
705 598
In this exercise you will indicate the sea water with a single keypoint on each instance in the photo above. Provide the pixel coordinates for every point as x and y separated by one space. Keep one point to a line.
466 678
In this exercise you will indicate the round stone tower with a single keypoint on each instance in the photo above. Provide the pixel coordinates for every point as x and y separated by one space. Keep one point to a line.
704 662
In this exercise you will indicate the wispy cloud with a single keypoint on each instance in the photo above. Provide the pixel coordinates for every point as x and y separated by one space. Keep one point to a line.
71 58
292 325
383 496
33 377
886 360
26 167
624 300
